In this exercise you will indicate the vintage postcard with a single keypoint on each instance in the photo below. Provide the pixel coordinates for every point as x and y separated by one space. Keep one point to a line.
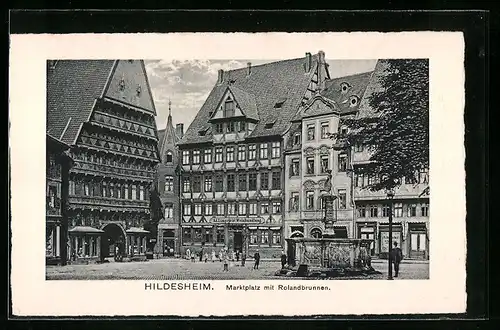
237 174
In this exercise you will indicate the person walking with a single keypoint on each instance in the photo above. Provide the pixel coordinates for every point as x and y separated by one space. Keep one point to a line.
256 258
283 259
243 259
214 257
396 256
201 254
237 255
226 261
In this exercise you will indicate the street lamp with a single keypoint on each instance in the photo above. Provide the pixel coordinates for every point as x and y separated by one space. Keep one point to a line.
390 196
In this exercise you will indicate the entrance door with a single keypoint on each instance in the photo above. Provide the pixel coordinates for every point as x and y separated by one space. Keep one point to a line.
417 245
238 241
112 238
372 244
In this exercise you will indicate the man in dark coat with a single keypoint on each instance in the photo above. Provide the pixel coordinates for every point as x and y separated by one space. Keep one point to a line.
256 257
283 259
396 256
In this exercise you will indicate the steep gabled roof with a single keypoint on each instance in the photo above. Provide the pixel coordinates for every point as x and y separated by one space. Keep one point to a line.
167 137
357 85
365 110
329 107
72 88
246 101
268 83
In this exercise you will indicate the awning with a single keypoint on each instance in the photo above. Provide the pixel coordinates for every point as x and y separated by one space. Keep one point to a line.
85 230
275 228
135 230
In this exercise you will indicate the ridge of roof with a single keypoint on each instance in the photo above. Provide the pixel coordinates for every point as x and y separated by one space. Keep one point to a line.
268 82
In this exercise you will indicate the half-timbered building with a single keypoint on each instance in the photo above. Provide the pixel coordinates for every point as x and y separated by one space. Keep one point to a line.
232 156
104 110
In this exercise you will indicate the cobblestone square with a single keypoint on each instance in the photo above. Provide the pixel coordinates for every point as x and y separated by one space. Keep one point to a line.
179 269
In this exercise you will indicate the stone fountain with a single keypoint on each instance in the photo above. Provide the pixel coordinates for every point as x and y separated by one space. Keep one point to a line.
328 257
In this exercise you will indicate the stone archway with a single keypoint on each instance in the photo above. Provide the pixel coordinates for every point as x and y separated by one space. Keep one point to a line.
114 236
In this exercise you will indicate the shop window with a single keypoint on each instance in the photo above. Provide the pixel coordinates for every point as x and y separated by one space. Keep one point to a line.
198 235
208 235
220 235
253 237
276 237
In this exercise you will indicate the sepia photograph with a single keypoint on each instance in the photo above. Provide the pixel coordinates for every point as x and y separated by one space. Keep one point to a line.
301 168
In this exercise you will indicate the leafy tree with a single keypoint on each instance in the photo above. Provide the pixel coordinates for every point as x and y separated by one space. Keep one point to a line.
396 130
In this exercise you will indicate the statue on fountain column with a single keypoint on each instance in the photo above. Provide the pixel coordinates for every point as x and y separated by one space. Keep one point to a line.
328 199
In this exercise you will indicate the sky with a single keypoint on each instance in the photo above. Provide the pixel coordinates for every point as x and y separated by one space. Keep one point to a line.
187 83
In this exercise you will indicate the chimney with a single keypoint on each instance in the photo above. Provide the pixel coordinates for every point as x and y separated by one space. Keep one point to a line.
321 70
220 79
321 57
249 68
179 130
308 62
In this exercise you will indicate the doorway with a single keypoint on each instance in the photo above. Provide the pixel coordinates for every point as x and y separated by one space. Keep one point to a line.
112 241
238 241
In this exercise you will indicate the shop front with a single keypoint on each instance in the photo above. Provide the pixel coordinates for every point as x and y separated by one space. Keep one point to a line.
85 244
136 243
368 230
383 241
418 243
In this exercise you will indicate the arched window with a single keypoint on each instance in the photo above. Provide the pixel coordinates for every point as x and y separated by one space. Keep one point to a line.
297 234
316 233
169 158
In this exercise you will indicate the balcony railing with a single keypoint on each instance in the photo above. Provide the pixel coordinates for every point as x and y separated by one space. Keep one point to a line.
108 169
107 201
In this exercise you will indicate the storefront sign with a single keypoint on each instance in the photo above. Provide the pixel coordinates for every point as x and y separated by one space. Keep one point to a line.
237 220
384 240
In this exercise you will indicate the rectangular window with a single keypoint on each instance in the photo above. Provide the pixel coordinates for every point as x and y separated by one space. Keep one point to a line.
358 147
230 154
187 209
186 184
324 164
242 179
218 128
276 180
231 209
412 210
342 198
141 193
207 156
186 235
169 183
253 237
230 127
296 139
310 200
294 202
207 235
218 183
276 236
252 152
252 181
423 176
310 132
208 183
230 182
208 209
361 211
196 156
275 150
276 207
424 210
252 208
263 151
310 165
242 208
373 211
325 130
220 234
198 235
134 191
118 191
185 157
220 209
342 162
295 167
197 209
218 155
241 153
242 126
264 181
398 210
169 211
264 208
385 210
229 109
359 180
264 237
197 184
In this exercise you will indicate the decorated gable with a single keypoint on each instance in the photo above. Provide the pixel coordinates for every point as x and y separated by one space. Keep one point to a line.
129 84
228 107
320 106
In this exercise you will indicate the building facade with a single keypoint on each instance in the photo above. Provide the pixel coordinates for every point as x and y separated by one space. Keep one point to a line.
232 156
169 242
311 154
104 110
56 224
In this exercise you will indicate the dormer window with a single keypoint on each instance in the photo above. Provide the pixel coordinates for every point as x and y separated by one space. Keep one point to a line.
353 101
138 90
344 87
122 84
229 108
218 128
202 132
279 103
269 124
242 126
296 139
230 127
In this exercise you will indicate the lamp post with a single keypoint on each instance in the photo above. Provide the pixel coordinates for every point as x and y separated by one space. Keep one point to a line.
390 196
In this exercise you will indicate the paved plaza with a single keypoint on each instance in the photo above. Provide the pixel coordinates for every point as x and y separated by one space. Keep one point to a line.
179 269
